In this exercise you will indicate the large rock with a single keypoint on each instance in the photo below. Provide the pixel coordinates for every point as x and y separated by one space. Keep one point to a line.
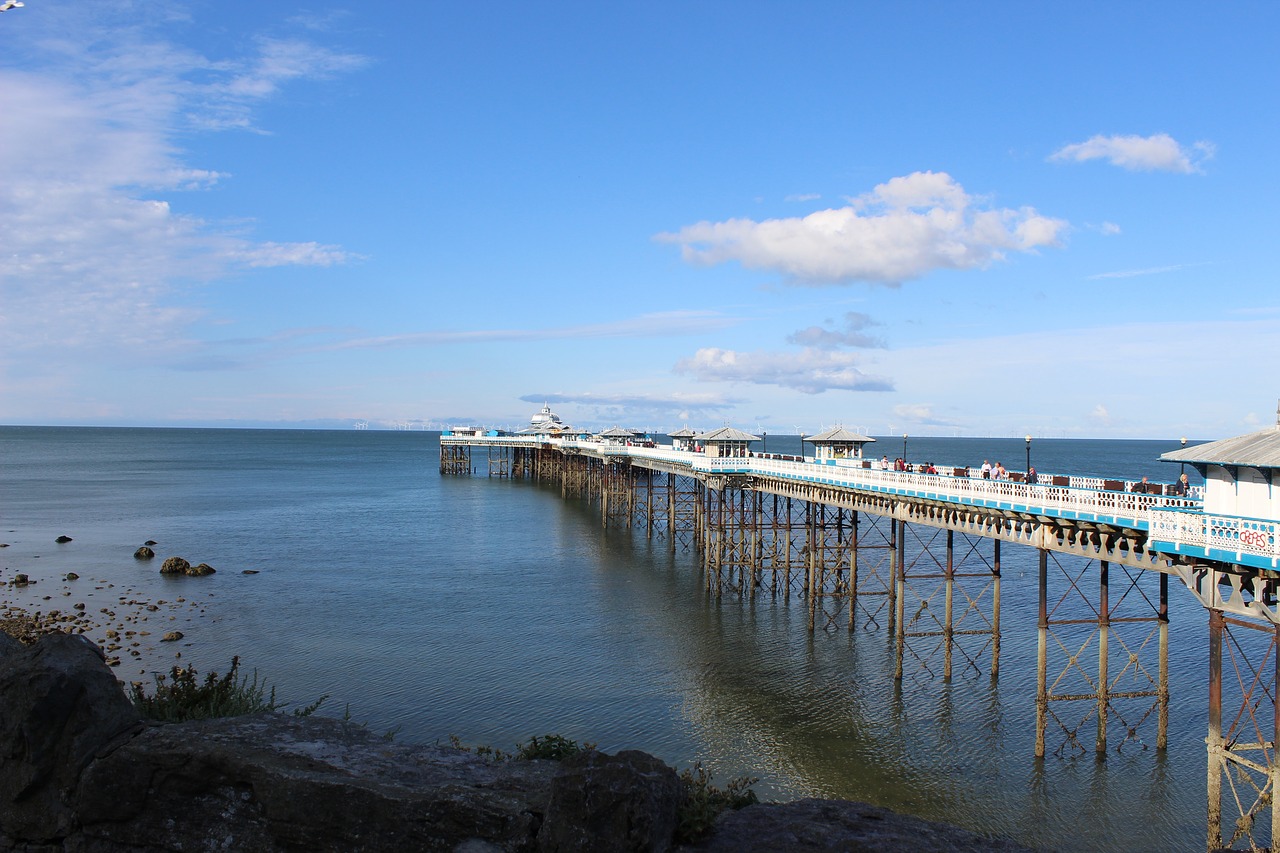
810 825
79 771
623 802
59 707
275 782
174 566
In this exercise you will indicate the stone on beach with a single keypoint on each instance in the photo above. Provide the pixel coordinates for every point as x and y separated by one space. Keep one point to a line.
174 566
144 553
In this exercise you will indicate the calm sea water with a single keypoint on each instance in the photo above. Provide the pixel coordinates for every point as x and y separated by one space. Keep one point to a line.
494 611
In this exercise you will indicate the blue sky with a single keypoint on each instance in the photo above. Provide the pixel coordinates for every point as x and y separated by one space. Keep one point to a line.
935 218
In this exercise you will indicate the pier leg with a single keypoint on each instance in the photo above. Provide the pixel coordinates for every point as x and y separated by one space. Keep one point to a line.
1042 656
899 599
1214 740
853 567
995 611
1162 714
948 625
1104 631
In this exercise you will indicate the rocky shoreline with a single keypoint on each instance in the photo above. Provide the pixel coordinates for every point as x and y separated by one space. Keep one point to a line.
81 770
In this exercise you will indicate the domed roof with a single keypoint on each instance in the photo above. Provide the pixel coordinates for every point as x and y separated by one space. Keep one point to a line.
544 417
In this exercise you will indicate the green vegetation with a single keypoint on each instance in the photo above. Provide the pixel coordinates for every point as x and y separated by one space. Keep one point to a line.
703 802
184 697
554 747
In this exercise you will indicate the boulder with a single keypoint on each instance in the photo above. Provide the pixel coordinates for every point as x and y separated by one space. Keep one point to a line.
275 782
623 802
144 553
59 707
62 540
202 569
79 770
174 566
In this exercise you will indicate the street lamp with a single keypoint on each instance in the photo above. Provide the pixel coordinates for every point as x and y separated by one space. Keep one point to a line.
904 451
1182 466
1028 454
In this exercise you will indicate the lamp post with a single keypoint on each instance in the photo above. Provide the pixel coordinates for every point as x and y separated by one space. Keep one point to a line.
801 445
904 451
1182 466
1028 454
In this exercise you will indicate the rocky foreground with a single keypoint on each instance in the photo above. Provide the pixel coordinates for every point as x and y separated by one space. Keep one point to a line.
80 770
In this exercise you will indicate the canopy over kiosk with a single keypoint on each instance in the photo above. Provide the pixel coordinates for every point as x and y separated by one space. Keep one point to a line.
1240 474
838 443
682 439
726 441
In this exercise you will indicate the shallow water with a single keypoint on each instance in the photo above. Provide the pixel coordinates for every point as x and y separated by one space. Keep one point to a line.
494 611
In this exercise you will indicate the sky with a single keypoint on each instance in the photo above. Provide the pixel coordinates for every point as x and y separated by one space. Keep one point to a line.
935 218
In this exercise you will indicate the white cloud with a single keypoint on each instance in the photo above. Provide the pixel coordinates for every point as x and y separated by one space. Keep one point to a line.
921 414
850 336
93 252
902 230
803 197
1157 153
812 371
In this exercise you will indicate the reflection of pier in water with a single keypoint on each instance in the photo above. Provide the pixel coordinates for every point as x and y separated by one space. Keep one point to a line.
919 555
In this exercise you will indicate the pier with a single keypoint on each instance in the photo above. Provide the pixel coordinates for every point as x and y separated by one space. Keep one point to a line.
918 555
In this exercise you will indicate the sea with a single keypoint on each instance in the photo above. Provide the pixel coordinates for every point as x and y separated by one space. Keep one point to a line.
490 611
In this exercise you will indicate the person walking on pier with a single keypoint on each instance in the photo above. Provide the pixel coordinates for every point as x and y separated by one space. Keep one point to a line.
986 470
1032 477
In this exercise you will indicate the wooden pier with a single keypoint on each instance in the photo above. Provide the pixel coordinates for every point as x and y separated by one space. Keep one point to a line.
919 556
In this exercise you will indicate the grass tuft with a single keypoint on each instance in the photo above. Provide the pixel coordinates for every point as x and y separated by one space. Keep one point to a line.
183 696
704 802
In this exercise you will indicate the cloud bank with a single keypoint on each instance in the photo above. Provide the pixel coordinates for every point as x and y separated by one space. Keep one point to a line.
902 230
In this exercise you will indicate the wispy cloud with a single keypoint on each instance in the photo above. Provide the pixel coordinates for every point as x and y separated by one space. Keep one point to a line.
811 371
93 254
662 324
1157 153
902 230
1142 272
803 197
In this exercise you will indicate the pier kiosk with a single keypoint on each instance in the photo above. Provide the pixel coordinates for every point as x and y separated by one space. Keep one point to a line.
682 439
836 444
726 441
